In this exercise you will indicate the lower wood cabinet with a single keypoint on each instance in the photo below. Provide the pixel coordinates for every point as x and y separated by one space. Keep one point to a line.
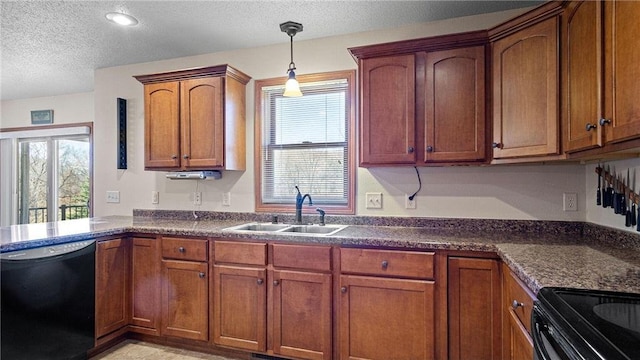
474 303
386 318
112 285
262 308
145 285
185 288
240 307
517 306
383 317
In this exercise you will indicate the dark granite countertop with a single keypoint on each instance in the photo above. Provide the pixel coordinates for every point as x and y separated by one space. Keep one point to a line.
585 256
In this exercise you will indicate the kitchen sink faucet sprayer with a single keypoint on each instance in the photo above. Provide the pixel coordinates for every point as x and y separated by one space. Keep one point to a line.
299 200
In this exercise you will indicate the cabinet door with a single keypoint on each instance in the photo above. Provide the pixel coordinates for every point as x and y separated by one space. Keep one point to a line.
145 283
202 115
112 285
185 299
386 318
302 314
162 122
240 306
387 123
525 92
520 343
474 309
455 105
583 72
622 70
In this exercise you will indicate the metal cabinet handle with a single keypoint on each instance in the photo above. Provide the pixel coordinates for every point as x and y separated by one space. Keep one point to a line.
185 156
429 148
410 149
276 282
174 157
604 122
591 126
515 304
343 289
496 145
201 275
385 264
181 249
260 281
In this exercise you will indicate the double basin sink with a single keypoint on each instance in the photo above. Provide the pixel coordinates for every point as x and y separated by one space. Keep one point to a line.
269 228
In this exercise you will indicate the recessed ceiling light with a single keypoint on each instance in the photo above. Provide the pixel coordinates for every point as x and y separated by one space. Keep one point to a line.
122 19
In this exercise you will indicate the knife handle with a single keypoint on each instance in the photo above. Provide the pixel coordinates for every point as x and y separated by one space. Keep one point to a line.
598 197
623 205
634 220
627 219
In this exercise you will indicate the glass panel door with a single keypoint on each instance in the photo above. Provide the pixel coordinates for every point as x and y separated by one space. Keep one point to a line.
33 174
72 168
53 179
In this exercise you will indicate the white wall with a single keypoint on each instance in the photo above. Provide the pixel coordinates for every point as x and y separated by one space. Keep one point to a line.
67 109
503 192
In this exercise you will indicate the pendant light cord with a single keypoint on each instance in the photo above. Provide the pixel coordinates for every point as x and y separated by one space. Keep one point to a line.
292 65
419 185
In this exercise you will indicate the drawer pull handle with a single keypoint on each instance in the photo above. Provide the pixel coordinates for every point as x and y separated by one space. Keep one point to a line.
276 282
385 264
201 275
343 289
515 304
260 281
181 249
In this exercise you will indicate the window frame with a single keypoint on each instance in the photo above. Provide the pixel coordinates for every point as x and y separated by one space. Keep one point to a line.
351 104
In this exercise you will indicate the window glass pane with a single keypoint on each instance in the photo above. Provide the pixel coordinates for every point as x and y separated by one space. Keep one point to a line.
304 143
32 180
73 178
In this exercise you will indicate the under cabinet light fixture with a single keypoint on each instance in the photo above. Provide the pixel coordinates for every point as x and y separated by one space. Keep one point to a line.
121 19
292 88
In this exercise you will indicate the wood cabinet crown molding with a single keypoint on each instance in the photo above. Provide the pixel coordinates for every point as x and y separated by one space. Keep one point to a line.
194 73
542 12
441 42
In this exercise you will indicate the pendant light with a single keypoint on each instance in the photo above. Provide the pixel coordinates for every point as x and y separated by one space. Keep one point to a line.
292 88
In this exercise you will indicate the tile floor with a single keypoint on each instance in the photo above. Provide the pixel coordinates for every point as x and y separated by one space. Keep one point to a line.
139 350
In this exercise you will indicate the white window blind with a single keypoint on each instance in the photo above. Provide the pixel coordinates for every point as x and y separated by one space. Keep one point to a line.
304 143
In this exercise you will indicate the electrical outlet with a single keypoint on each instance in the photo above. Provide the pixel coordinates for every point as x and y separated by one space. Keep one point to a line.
226 199
113 197
570 202
155 197
374 200
197 198
409 204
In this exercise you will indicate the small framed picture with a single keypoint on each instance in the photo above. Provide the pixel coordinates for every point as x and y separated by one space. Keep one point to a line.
39 117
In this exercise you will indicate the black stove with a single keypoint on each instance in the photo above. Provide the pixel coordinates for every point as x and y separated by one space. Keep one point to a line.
586 324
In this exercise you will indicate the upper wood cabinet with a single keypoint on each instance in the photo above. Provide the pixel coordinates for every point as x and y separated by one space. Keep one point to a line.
423 101
387 124
600 49
195 119
582 75
525 91
455 105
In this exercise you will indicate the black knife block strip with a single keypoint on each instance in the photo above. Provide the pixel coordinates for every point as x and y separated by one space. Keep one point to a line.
634 197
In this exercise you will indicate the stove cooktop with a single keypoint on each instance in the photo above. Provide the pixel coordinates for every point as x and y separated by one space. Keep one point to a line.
607 321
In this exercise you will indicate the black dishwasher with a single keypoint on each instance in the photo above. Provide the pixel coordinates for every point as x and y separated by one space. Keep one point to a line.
47 302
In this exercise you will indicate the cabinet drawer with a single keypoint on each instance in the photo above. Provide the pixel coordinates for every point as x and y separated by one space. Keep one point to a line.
302 257
519 300
240 252
387 263
184 249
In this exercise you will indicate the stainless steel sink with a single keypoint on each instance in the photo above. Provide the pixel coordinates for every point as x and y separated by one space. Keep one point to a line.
265 227
309 230
314 229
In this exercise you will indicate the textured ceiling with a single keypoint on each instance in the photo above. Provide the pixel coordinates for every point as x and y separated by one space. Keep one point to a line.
53 47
